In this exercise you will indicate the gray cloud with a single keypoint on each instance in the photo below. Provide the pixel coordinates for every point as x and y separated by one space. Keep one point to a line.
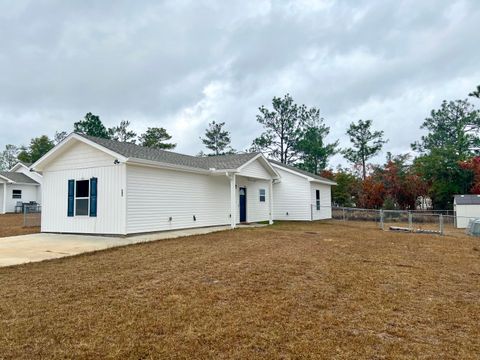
181 64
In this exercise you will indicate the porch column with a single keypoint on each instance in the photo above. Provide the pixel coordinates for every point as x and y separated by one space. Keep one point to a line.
4 209
233 202
270 201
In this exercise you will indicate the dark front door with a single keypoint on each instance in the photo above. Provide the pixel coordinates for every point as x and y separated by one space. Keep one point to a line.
243 204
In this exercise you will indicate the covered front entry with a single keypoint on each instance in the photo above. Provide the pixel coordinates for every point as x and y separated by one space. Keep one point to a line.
252 201
243 204
251 192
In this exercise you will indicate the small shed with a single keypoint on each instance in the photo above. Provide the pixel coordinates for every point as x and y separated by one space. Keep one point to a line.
466 207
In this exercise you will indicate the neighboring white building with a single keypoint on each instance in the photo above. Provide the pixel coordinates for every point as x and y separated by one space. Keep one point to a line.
301 195
19 185
466 207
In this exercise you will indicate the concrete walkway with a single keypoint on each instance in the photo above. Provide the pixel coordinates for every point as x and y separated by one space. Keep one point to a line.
21 249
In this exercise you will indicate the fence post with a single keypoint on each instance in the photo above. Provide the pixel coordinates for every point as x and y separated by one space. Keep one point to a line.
382 225
410 220
343 212
441 224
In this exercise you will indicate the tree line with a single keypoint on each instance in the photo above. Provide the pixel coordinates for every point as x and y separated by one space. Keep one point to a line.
444 162
154 137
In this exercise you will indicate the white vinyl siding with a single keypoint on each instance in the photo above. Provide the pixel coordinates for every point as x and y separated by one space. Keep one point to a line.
256 210
325 211
466 212
35 176
291 197
80 156
256 170
294 198
110 205
29 193
111 187
140 198
156 195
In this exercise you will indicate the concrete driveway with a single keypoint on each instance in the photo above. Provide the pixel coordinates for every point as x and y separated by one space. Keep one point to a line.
21 249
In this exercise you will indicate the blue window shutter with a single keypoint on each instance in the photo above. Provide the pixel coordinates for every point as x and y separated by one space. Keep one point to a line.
71 197
93 197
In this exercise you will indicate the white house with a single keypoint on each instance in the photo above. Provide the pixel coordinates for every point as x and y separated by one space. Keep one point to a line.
466 207
98 186
18 186
301 195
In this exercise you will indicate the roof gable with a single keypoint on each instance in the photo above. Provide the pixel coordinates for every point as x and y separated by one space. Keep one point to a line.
303 173
20 164
259 167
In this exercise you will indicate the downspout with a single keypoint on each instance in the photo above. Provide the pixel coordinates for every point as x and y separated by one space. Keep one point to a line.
270 190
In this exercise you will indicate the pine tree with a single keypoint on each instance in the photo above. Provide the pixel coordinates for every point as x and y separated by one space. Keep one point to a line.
216 138
38 147
366 144
475 93
455 126
91 125
313 150
155 138
121 132
283 128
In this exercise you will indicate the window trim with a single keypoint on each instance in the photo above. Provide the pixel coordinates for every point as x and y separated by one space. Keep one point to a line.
16 196
75 198
264 195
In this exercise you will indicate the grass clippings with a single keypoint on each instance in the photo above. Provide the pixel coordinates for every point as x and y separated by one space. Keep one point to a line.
291 290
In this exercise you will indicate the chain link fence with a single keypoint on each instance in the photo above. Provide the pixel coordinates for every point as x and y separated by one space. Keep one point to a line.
32 215
419 221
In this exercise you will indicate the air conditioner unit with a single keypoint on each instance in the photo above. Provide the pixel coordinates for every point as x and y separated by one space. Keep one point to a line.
473 228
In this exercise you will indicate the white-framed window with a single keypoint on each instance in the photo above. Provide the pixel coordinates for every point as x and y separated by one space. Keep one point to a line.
317 199
262 195
82 197
16 194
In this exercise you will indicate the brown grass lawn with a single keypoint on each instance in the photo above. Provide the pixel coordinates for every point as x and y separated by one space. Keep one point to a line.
292 290
12 224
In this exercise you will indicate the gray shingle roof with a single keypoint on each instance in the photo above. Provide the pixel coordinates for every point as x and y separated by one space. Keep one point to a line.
129 150
17 177
467 199
306 173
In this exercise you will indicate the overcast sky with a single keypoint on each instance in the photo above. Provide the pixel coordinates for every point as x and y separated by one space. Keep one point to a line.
180 64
